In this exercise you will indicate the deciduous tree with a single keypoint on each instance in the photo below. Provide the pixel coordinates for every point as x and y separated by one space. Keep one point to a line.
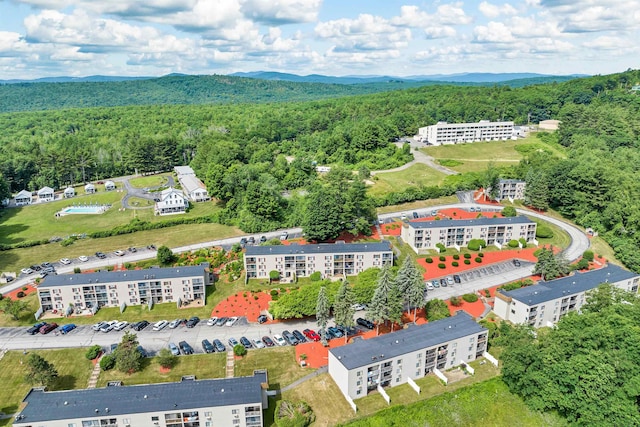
40 371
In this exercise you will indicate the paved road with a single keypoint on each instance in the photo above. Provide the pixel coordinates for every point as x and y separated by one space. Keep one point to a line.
141 193
418 157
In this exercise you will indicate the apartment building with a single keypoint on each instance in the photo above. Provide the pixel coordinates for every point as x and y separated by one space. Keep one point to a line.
188 403
545 303
423 235
512 189
333 259
192 186
172 201
391 359
131 287
457 133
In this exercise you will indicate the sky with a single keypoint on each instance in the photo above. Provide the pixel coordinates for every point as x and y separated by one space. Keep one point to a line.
43 38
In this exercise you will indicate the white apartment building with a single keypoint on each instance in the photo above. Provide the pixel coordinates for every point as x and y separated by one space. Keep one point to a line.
172 201
391 359
423 235
131 287
545 303
193 187
511 189
457 133
188 403
332 259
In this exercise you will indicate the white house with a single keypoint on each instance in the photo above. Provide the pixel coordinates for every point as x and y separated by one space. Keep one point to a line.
193 187
109 185
392 359
23 198
172 201
545 303
46 194
89 188
69 192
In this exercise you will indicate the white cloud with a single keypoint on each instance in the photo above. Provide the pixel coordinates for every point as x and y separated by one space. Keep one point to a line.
281 11
493 11
608 43
453 14
367 32
493 32
439 32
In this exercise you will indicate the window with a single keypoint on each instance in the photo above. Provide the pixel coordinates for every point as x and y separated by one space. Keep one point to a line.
207 414
359 373
155 418
71 425
126 421
234 411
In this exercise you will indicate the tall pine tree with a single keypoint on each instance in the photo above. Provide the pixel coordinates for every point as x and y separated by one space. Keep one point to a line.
343 307
379 307
322 313
411 284
536 192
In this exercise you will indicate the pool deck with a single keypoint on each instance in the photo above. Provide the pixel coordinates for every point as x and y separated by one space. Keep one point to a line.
83 210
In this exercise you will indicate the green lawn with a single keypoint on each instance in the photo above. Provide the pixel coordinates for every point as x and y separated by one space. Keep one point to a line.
201 365
139 202
149 181
73 372
280 363
488 403
418 204
413 176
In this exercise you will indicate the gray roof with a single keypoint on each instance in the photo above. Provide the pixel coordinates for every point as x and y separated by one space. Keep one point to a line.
23 194
414 338
452 223
45 190
184 170
322 248
122 400
101 277
512 181
570 285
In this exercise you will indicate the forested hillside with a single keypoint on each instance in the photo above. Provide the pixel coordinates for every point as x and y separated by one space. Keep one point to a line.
267 152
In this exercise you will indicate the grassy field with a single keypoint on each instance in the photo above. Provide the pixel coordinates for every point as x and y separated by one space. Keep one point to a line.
488 403
149 181
73 372
413 176
280 363
201 365
418 204
476 156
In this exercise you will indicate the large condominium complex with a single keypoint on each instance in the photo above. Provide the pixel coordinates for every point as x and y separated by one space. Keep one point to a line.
511 189
338 259
456 133
545 303
391 359
131 287
189 403
192 186
450 232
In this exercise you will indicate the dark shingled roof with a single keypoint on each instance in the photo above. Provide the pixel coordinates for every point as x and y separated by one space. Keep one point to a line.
570 285
452 223
122 276
322 248
121 400
414 338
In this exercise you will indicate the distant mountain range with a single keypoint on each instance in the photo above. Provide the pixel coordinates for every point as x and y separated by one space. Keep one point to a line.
319 78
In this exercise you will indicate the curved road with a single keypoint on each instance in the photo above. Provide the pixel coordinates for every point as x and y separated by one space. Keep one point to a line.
140 193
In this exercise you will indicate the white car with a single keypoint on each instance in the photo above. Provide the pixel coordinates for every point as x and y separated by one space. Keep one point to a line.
231 321
258 344
175 323
83 258
119 253
26 271
359 307
430 286
403 216
98 325
120 325
212 321
65 261
158 326
284 235
108 326
279 340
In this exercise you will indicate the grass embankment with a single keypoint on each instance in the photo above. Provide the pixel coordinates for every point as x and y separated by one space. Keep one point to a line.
280 363
414 176
418 204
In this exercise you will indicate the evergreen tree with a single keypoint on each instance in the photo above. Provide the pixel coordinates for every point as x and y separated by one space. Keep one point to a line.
322 313
40 371
128 358
550 266
379 307
536 192
395 304
342 307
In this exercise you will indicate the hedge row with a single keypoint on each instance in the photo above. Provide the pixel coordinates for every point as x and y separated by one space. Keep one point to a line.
138 225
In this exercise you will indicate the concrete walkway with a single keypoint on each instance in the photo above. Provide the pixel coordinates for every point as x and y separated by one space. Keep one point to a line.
307 377
230 368
93 379
419 157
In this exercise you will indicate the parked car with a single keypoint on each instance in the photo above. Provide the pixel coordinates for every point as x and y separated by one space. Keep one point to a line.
279 340
221 321
251 240
311 334
26 271
219 346
246 343
192 322
351 330
134 250
291 339
212 321
36 328
48 328
268 341
243 242
450 281
138 326
231 321
334 332
429 286
233 342
185 347
142 351
359 307
35 267
443 283
65 261
108 326
174 349
435 283
262 318
83 258
434 213
299 336
207 346
120 325
257 343
43 274
65 329
415 215
284 235
98 325
403 216
50 269
119 252
263 239
175 323
516 262
365 322
101 255
113 347
45 264
158 326
456 278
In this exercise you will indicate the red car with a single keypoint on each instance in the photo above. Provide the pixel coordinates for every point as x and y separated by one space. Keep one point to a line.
311 334
48 328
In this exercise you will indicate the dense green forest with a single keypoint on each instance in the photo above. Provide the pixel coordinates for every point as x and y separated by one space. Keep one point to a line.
258 159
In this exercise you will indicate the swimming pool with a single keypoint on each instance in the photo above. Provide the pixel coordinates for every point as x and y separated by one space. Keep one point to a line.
83 210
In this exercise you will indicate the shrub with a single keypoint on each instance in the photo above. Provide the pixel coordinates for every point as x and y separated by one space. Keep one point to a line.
467 256
478 260
315 276
456 256
428 260
442 247
442 258
588 255
583 264
455 263
509 211
481 254
467 261
293 414
523 241
24 288
514 243
470 297
441 265
93 352
107 362
487 293
239 350
543 231
20 294
76 270
474 244
274 275
455 301
166 359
